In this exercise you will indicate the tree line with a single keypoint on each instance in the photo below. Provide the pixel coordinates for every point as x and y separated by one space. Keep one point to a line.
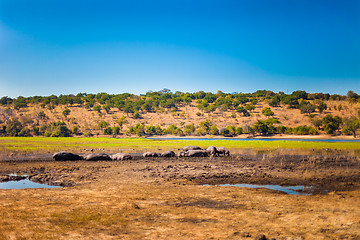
165 99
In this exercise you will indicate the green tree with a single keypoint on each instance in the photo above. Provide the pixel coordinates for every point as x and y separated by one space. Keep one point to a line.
75 130
108 131
189 129
116 130
214 130
331 124
106 108
306 107
267 112
206 125
56 129
350 126
136 115
42 115
121 121
250 107
20 102
239 131
317 123
264 128
97 108
13 127
321 107
275 101
66 112
242 110
103 124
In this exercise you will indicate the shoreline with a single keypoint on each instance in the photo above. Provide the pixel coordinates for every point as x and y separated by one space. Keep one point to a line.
243 136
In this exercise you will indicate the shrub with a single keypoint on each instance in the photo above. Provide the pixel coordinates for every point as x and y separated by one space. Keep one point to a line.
13 128
108 131
264 128
116 130
305 130
58 129
201 132
103 124
331 124
66 112
25 132
214 130
281 129
106 108
136 115
75 130
350 126
42 115
239 131
306 107
321 107
189 129
153 130
97 108
267 112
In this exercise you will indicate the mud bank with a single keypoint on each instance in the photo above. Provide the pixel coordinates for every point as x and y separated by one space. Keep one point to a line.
324 173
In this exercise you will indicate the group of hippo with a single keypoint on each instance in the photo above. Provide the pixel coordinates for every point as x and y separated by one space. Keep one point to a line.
188 151
191 151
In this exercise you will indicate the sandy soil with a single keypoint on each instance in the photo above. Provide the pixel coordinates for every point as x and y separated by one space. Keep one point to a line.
158 198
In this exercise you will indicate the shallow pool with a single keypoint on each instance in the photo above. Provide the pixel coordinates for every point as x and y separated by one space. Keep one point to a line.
25 183
294 190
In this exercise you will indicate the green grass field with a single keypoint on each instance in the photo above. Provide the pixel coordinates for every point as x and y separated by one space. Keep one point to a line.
41 144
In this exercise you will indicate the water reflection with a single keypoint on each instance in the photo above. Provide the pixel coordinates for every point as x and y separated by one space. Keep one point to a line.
294 190
25 183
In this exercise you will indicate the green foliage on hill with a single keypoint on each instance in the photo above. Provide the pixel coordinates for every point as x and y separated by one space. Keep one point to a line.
151 101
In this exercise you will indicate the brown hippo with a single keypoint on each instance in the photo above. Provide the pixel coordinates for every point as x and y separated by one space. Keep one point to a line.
196 153
66 156
212 151
97 157
181 154
121 156
187 148
223 150
150 154
168 154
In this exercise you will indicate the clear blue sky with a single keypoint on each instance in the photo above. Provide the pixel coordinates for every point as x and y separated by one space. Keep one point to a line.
62 46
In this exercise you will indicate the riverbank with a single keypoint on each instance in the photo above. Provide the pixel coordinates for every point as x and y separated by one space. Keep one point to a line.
277 136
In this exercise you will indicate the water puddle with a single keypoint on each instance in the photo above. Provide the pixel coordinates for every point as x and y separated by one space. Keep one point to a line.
25 183
294 190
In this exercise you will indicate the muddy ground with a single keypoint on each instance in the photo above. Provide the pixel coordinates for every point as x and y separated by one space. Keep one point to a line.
167 198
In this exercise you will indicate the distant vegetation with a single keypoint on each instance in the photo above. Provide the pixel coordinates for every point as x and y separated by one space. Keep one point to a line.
137 106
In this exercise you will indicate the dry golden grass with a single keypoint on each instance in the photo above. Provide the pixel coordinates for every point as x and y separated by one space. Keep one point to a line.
122 202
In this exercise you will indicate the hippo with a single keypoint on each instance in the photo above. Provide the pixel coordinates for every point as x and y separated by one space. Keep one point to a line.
187 148
168 154
121 156
66 156
212 151
181 154
223 150
150 154
196 153
97 157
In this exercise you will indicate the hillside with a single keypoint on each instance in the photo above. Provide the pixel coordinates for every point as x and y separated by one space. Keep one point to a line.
154 112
